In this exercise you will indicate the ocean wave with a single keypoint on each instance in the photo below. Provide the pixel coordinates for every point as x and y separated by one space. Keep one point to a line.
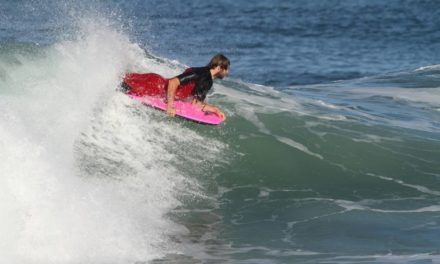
75 192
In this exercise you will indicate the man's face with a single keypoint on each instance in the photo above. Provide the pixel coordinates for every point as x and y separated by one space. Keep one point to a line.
223 73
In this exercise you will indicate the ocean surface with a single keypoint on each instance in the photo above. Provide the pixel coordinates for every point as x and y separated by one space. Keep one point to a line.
330 152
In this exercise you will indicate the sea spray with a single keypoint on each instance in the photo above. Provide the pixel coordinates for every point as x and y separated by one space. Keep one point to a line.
55 211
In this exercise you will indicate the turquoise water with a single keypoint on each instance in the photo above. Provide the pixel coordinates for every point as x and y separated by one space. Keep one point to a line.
330 153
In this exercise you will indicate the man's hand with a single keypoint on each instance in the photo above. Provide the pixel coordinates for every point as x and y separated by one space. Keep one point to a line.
171 111
219 113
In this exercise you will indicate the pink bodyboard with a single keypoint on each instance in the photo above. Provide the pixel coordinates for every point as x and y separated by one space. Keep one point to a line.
184 109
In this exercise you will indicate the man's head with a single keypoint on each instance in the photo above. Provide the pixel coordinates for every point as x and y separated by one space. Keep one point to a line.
222 63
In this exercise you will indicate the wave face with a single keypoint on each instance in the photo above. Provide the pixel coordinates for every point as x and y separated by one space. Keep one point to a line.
318 171
343 172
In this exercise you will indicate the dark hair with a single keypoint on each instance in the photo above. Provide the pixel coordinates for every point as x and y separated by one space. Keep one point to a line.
219 60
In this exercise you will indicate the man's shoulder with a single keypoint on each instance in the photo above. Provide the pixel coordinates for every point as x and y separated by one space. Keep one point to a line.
199 70
194 74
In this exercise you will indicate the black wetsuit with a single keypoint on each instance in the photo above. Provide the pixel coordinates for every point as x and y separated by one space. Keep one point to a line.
201 80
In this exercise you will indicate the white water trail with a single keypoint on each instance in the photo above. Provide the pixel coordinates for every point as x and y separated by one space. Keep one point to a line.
54 207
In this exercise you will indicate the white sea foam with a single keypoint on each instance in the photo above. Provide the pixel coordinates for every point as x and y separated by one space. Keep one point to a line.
97 198
429 67
298 146
385 258
370 138
326 104
419 188
416 95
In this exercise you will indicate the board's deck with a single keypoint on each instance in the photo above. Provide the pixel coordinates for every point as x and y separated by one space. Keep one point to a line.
183 109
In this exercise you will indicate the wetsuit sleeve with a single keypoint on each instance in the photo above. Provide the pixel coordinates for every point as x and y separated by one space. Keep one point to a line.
187 76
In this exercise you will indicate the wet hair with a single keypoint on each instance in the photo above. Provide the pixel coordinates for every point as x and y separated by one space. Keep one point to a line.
219 60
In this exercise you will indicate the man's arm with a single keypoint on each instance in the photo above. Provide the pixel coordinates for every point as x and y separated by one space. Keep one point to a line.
171 93
209 108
